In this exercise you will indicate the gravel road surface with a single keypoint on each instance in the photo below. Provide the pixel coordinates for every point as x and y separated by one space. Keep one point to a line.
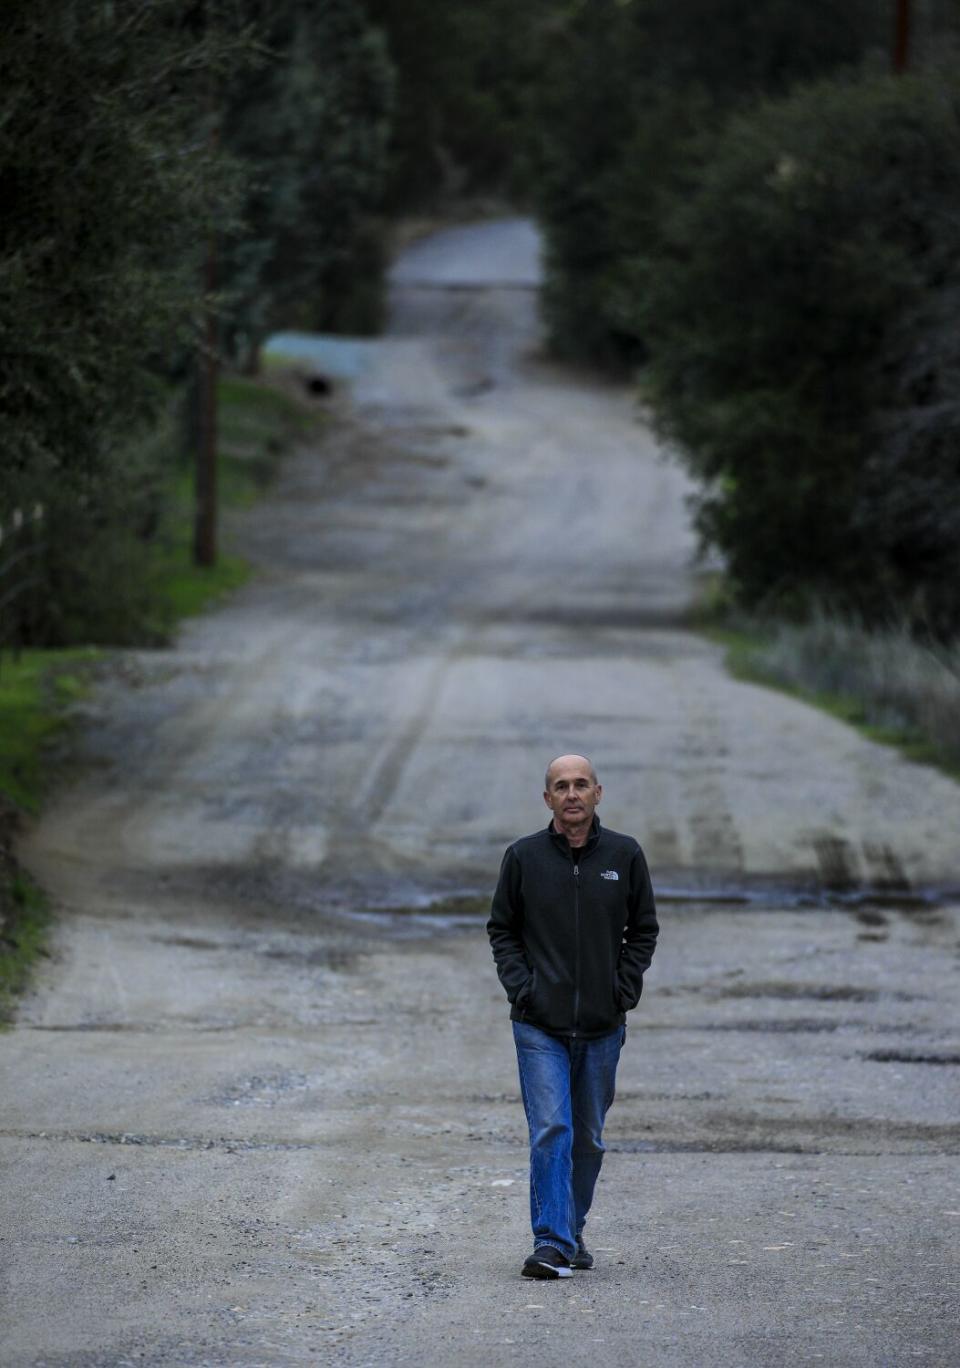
262 1107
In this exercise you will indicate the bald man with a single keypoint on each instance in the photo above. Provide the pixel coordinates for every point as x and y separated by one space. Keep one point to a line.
573 928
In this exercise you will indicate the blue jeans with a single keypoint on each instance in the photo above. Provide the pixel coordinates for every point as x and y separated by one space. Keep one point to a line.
567 1087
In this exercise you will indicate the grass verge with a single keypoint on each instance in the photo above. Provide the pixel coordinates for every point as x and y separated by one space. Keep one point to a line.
25 921
37 689
258 423
886 683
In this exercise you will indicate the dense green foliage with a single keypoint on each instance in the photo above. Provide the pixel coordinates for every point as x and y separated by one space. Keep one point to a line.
623 124
467 75
109 183
786 262
310 123
137 144
801 320
105 182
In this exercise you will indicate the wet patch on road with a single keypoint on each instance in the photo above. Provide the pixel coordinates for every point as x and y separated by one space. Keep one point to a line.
913 1057
114 1027
453 910
735 1133
779 1026
705 1147
191 942
796 992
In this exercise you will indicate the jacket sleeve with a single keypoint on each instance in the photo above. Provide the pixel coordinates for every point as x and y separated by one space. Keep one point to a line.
505 931
639 936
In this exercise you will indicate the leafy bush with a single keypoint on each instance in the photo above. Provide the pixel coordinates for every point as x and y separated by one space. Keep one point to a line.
110 186
801 316
310 124
464 76
131 139
628 90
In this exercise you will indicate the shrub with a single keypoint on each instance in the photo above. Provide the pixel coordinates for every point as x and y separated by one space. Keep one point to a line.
801 317
628 88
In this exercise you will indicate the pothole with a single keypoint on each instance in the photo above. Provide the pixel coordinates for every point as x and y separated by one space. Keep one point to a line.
259 1090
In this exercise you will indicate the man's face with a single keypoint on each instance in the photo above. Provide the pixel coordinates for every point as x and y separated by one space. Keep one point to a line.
572 793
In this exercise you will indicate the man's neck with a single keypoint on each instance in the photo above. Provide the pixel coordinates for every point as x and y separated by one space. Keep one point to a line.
576 835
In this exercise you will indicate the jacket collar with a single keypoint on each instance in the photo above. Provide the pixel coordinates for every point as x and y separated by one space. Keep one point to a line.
563 844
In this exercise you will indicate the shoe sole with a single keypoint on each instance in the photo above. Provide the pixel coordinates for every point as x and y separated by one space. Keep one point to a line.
545 1270
575 1264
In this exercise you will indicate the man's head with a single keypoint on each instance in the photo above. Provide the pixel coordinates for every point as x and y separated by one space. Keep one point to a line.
571 792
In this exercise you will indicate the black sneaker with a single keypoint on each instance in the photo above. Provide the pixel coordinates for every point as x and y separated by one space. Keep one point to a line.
583 1258
546 1262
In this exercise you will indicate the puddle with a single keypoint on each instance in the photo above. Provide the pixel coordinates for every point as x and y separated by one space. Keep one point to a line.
867 901
190 942
116 1027
705 1147
912 1057
794 992
870 906
445 911
777 1026
406 909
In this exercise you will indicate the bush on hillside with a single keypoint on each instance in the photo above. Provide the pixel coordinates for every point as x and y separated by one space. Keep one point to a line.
801 313
110 186
309 123
631 89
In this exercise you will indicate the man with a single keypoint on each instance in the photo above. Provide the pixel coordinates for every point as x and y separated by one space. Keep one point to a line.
573 928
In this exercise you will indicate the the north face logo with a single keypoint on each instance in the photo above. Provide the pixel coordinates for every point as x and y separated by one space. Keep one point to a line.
609 874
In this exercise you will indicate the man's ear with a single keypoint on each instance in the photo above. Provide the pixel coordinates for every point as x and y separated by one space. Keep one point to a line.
546 798
599 792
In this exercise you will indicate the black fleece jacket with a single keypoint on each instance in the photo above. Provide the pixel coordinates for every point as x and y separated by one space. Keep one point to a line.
573 931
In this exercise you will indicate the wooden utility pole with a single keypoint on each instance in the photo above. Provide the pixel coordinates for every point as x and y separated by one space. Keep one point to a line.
208 368
205 521
901 42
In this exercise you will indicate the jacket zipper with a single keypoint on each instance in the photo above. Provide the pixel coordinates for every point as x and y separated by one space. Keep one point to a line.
576 947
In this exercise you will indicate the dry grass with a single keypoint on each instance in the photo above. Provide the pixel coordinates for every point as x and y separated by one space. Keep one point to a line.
887 680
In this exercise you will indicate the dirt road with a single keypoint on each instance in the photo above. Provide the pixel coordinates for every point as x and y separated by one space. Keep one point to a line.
262 1107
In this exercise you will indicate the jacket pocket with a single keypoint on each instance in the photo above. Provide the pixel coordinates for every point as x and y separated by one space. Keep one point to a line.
525 995
626 1000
